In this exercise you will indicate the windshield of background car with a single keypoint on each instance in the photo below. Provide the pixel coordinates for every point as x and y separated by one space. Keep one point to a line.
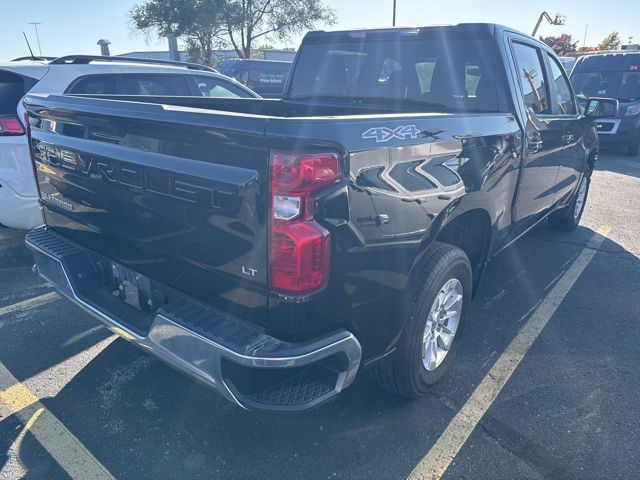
614 76
454 73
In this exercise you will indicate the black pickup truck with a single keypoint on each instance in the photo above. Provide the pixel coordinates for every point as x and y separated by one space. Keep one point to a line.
275 248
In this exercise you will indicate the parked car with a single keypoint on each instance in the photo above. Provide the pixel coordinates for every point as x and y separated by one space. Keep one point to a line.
82 75
615 75
567 63
265 77
274 249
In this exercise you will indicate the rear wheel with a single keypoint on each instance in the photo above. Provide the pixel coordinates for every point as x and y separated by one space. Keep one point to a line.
568 218
438 306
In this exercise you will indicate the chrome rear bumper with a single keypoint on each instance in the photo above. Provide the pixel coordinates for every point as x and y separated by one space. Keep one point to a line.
248 367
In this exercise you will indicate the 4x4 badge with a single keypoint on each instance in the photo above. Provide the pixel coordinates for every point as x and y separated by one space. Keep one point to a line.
384 134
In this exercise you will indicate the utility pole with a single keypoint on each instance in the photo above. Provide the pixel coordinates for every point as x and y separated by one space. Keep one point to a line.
174 54
35 27
394 13
586 29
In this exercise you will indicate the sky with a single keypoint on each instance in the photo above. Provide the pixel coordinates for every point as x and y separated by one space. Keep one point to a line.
75 26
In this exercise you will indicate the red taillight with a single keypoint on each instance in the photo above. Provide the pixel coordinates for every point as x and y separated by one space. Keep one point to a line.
300 248
10 126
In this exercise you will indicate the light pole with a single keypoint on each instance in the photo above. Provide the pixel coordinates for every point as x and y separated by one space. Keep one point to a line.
586 29
35 27
394 13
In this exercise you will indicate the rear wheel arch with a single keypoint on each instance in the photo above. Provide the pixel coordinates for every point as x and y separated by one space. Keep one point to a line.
469 229
471 232
472 212
404 371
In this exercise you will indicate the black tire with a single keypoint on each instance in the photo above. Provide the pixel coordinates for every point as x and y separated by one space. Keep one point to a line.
634 149
566 219
403 372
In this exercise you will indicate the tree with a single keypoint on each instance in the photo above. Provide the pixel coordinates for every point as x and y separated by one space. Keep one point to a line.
249 20
610 42
204 25
562 45
200 23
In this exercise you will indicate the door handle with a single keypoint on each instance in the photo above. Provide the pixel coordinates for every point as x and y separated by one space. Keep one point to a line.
534 146
568 138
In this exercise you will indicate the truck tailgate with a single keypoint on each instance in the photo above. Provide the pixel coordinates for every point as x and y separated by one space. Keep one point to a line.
177 195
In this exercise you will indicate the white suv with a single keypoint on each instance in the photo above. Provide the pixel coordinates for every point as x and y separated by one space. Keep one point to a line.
82 75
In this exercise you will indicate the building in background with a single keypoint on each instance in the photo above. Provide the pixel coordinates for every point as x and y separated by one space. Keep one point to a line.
281 55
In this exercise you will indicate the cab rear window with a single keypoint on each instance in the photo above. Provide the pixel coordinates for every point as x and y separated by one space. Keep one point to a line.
446 73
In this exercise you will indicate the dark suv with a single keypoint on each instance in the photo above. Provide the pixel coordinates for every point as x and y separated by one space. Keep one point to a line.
615 75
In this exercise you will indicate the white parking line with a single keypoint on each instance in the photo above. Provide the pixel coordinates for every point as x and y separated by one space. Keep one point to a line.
29 303
446 448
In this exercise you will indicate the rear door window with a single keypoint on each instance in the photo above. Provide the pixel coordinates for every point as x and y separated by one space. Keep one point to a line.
532 78
94 84
155 84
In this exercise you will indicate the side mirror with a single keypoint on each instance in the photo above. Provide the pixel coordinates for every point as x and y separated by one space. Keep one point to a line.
601 108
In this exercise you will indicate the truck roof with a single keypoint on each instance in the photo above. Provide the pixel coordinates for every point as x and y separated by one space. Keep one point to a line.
492 29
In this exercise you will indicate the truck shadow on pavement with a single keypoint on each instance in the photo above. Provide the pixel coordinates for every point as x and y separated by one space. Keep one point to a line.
622 164
141 419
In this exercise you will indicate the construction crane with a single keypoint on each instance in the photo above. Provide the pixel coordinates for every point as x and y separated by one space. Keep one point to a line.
558 20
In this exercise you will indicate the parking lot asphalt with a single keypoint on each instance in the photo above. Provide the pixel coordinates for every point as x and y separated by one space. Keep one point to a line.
76 402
